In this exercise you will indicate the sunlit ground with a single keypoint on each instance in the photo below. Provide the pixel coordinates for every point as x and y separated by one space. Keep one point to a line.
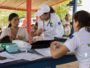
68 65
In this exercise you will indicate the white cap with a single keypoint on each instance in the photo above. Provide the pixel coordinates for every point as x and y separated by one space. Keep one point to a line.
43 9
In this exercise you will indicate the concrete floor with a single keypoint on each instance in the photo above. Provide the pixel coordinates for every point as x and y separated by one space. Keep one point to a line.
69 65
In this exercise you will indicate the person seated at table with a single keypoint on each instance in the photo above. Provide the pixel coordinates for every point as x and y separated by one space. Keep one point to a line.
13 31
49 24
67 25
79 43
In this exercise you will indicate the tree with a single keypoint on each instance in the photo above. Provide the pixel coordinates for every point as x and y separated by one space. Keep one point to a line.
62 9
5 13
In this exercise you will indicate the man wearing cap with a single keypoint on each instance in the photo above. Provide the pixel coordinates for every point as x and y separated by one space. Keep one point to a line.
49 24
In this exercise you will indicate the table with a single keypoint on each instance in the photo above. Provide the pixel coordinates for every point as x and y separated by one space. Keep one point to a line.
47 62
40 63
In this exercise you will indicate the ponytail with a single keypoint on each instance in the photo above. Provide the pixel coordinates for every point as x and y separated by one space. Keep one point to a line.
88 27
9 25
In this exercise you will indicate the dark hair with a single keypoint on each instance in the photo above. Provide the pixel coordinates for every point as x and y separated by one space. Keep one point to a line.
52 10
66 15
11 16
83 17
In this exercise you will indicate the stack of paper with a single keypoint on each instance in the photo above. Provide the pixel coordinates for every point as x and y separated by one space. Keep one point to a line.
8 56
28 56
45 52
19 56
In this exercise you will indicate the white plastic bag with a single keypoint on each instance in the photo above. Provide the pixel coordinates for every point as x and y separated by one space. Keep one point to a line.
23 46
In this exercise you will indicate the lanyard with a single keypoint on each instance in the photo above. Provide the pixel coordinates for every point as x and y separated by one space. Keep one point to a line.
49 23
44 26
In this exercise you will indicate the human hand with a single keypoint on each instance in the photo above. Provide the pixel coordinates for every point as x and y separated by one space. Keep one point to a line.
55 45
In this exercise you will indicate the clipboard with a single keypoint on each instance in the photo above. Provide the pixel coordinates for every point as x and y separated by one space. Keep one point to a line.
46 43
41 44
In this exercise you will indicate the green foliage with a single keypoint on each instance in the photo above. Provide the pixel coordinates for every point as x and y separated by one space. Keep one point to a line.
62 11
5 13
21 13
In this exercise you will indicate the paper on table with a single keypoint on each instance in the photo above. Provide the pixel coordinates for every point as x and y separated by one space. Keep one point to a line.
5 54
18 56
45 52
8 56
28 56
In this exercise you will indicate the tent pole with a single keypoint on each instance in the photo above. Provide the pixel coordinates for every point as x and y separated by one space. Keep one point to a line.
28 5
